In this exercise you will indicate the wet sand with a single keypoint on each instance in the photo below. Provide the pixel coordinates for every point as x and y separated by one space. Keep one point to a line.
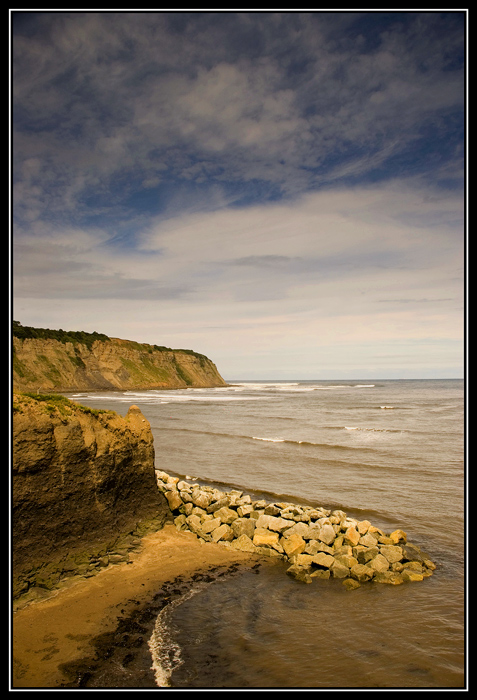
64 628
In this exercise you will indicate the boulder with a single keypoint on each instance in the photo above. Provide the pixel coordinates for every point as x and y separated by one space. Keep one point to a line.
352 536
243 526
409 575
363 526
293 545
339 570
299 574
361 572
244 544
324 560
365 554
174 500
390 577
210 525
398 536
220 503
227 515
393 553
368 540
379 563
223 532
327 534
201 499
265 538
351 584
273 523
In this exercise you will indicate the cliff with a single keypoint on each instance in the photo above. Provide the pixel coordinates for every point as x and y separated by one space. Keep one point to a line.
83 488
89 362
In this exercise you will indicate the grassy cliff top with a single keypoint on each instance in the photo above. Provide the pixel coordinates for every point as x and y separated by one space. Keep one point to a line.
51 403
85 338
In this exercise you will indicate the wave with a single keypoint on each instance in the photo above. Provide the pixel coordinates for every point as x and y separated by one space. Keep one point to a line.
165 652
374 430
285 441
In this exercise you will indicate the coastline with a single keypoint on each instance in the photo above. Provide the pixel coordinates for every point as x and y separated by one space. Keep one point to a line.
64 629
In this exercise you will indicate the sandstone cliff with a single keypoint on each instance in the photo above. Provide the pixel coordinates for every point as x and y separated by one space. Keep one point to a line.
83 486
47 364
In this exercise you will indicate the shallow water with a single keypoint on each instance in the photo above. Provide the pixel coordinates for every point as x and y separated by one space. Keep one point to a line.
388 451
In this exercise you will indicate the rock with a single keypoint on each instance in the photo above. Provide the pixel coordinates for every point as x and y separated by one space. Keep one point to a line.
271 522
221 503
361 572
339 570
271 509
79 478
304 560
244 510
174 500
393 553
383 539
313 547
408 575
293 545
339 516
365 554
398 536
180 522
299 574
323 560
226 514
411 552
346 560
363 526
194 523
327 534
351 584
200 499
321 573
390 577
379 563
223 532
317 542
265 538
301 529
352 536
413 566
368 540
210 525
244 544
243 526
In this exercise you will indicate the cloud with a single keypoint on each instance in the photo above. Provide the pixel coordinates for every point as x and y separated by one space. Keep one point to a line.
291 180
230 98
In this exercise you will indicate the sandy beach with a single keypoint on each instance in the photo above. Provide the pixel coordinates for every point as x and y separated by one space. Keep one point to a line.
60 629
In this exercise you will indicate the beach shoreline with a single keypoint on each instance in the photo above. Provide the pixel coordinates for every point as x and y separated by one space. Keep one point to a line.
56 640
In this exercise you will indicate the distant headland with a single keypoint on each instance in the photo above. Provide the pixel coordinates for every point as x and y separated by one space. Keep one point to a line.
58 360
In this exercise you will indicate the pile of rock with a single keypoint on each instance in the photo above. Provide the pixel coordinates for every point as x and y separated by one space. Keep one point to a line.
318 543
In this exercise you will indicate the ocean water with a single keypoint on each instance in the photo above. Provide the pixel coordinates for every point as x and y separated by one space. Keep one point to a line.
391 452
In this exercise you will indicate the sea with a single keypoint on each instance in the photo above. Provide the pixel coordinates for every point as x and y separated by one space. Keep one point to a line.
389 451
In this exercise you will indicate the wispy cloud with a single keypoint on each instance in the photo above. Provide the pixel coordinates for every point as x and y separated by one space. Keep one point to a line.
242 166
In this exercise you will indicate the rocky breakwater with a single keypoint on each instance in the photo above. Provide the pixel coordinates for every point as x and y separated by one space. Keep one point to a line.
316 542
83 489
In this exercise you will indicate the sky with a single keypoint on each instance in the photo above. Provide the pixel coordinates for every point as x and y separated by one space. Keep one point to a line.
283 192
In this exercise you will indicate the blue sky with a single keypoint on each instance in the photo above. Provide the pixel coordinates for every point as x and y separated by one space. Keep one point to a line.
281 191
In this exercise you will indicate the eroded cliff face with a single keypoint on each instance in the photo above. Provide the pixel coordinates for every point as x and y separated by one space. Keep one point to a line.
50 365
82 482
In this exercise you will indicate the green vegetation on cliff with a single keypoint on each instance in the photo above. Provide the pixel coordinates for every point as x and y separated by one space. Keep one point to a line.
45 361
62 336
